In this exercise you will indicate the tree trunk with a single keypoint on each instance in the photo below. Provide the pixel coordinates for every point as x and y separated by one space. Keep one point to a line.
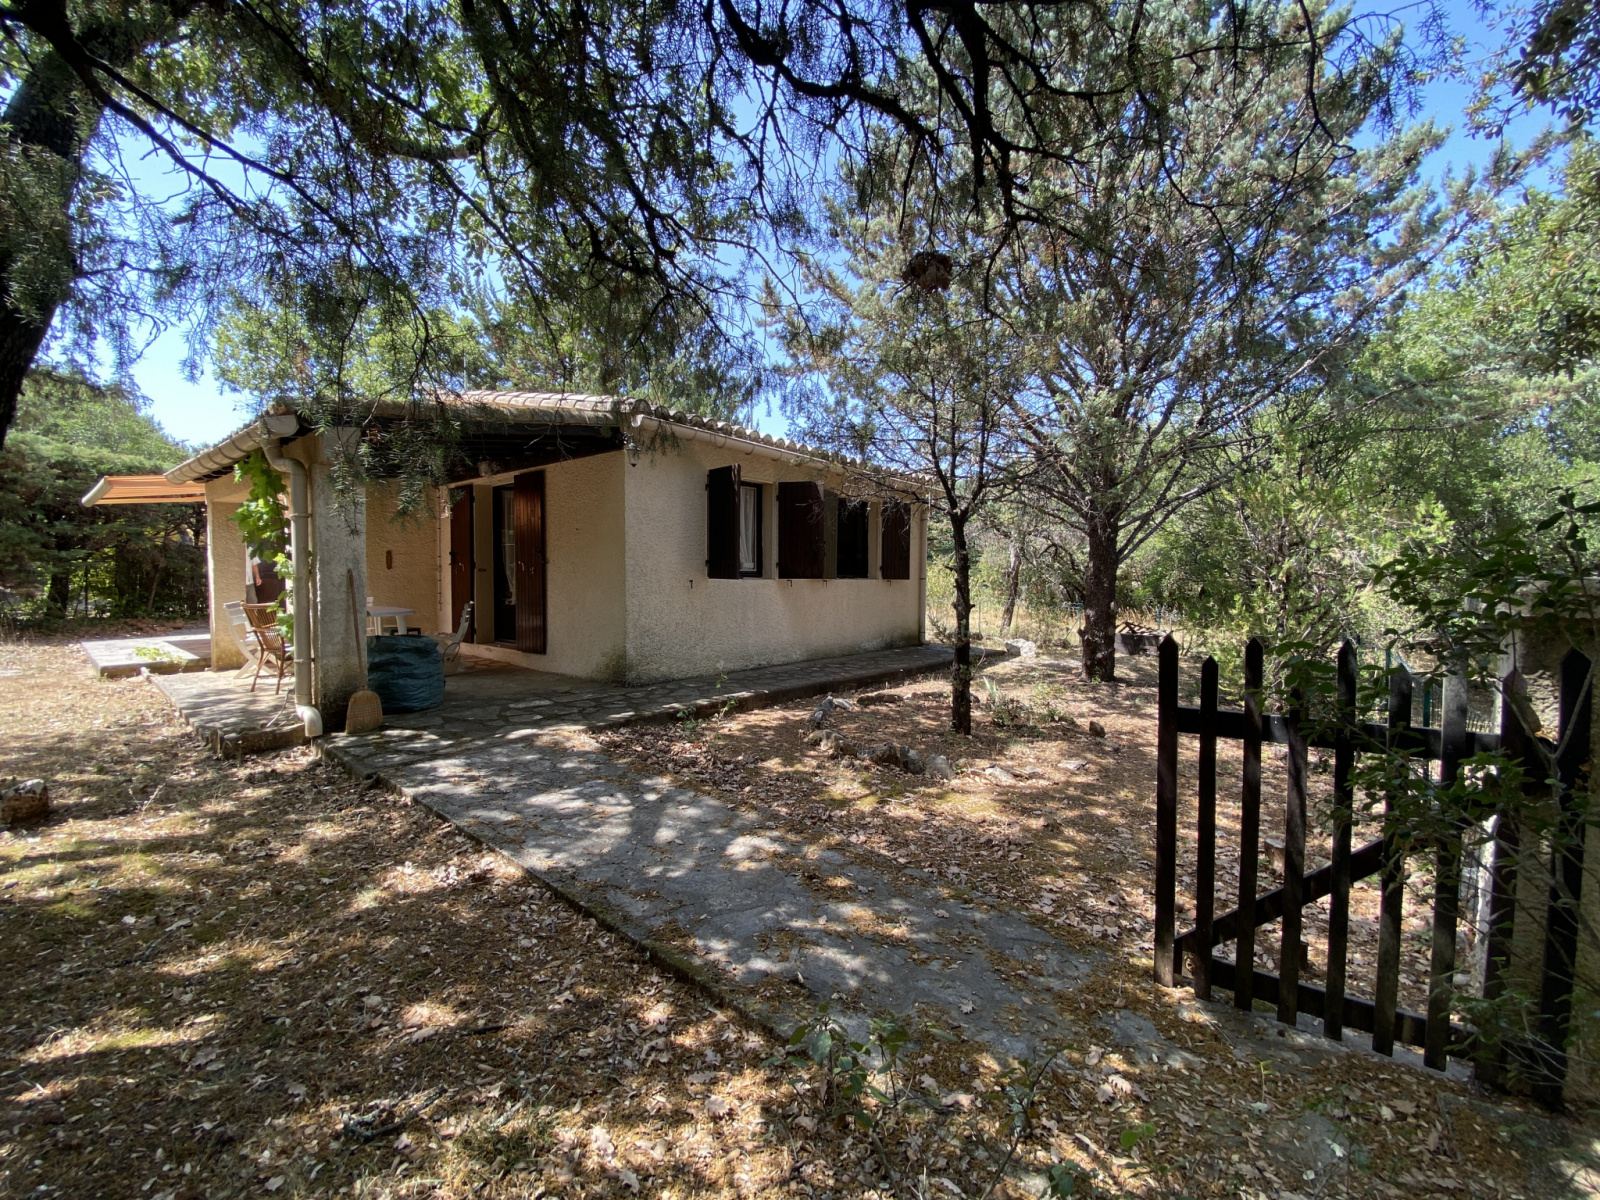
49 121
961 669
47 131
1013 574
60 594
1100 605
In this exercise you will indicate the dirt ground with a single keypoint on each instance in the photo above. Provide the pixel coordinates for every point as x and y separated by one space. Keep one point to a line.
263 978
1043 814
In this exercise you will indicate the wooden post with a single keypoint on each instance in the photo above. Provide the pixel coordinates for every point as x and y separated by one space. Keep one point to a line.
1205 865
1166 807
1446 874
1294 864
1516 744
1244 957
1343 816
1566 889
1387 991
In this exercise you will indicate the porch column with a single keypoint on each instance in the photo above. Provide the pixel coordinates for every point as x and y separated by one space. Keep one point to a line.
225 558
338 554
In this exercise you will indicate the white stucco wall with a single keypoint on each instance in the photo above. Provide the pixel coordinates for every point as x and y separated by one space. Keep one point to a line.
225 567
680 622
403 566
584 538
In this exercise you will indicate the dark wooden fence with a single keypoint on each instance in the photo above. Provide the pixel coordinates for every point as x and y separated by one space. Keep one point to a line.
1541 1059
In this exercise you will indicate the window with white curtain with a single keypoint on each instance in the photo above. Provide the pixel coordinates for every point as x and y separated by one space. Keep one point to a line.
750 529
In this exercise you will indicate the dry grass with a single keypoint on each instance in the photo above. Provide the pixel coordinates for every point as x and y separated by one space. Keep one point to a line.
1056 821
264 979
1043 815
233 980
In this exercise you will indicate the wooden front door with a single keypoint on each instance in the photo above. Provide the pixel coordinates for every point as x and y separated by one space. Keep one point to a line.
461 563
530 575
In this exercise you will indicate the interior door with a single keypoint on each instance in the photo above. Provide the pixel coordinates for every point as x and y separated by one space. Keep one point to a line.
461 564
530 570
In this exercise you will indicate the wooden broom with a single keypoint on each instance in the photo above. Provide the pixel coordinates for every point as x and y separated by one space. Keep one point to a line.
366 711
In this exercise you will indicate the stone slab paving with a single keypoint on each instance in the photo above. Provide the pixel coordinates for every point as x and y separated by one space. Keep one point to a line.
486 696
772 923
171 653
229 717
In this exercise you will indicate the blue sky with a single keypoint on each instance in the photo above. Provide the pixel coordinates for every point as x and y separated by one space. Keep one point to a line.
200 412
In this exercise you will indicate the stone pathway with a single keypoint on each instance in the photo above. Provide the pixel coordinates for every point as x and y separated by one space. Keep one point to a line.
771 922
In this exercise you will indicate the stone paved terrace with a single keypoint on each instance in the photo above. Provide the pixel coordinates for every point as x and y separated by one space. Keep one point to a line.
486 700
486 696
228 716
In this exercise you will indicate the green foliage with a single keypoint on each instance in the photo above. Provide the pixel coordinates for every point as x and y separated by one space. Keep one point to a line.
1460 605
65 407
1465 604
1067 1181
58 557
1012 712
1135 1135
385 166
262 518
1530 278
854 1070
1550 58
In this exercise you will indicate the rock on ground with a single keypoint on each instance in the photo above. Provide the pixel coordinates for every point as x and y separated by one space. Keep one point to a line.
25 802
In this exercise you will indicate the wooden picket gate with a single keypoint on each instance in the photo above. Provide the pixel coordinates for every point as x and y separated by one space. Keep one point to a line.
1542 1059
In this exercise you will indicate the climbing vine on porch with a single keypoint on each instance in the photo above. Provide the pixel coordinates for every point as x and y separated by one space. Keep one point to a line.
263 519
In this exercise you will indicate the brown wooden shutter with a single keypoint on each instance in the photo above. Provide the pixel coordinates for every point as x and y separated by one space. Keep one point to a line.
722 522
461 573
801 537
896 540
528 516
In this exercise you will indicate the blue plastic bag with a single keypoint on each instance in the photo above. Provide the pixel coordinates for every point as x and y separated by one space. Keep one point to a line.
407 672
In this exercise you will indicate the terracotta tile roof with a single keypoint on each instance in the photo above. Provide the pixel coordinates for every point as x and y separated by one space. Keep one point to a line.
555 407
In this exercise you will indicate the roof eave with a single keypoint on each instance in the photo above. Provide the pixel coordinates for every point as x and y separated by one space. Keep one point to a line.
218 460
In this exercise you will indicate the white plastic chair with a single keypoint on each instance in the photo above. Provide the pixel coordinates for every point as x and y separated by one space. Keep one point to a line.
239 626
450 643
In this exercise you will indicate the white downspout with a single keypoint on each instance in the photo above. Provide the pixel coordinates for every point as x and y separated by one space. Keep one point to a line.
300 585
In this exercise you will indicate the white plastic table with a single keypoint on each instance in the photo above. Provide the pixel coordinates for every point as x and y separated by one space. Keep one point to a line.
387 612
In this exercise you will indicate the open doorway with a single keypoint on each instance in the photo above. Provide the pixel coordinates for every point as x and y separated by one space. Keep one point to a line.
519 563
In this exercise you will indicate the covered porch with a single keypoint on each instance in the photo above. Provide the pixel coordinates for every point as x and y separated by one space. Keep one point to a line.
585 539
369 566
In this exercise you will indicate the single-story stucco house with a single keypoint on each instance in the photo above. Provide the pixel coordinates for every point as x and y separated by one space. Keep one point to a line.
597 537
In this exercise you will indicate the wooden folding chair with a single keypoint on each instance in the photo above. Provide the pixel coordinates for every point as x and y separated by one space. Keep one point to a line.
275 652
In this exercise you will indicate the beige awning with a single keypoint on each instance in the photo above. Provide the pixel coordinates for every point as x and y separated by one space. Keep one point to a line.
142 489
